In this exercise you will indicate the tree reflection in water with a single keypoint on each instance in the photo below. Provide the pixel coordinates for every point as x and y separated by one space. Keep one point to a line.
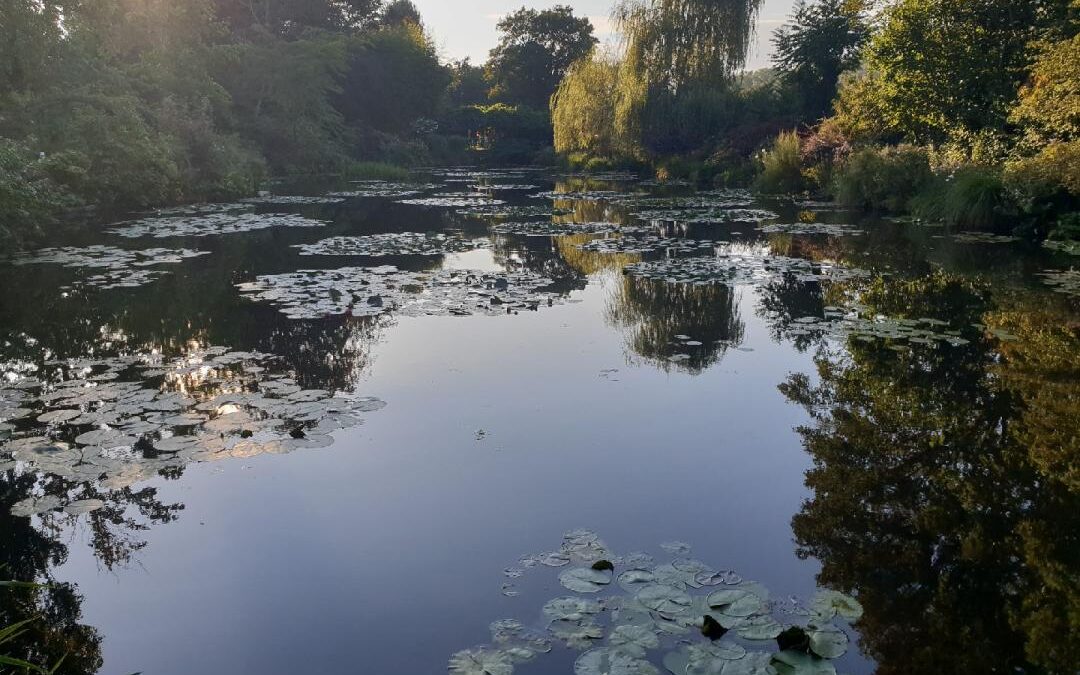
933 498
652 314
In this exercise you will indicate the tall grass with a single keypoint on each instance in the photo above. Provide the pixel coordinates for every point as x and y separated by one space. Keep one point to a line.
781 166
883 179
376 171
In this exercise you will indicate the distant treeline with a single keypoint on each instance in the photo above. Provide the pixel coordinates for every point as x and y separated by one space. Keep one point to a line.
123 104
967 112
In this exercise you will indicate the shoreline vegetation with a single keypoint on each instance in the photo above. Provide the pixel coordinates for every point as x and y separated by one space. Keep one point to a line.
120 105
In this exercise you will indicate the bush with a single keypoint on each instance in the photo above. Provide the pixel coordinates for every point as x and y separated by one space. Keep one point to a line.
781 166
1067 228
29 197
883 179
975 199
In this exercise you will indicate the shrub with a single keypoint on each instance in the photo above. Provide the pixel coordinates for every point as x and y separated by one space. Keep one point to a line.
781 166
883 179
1067 228
29 197
975 199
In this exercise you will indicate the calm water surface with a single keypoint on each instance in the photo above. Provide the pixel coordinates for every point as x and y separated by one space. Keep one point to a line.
907 435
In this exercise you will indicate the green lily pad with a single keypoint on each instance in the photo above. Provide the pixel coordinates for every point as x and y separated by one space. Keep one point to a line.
481 661
611 662
664 599
800 663
754 663
828 642
585 579
571 608
828 604
710 658
735 602
633 639
762 627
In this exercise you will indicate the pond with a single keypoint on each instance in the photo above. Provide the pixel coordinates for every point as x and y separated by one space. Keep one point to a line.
512 421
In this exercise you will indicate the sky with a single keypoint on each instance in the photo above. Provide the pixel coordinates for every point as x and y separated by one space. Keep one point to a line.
467 27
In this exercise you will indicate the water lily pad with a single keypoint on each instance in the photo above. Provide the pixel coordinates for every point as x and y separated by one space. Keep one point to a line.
754 663
711 658
633 639
211 224
59 416
762 627
800 663
664 599
576 634
635 580
392 243
611 662
828 642
33 506
481 661
828 604
84 506
735 602
585 579
571 608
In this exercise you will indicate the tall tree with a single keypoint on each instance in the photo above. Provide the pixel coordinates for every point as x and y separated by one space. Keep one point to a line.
671 43
534 53
822 40
292 17
947 66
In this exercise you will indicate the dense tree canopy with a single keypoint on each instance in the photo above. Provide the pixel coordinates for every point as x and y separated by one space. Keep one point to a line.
822 40
535 51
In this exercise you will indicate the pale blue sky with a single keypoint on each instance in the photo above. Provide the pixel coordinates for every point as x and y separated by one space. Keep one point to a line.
467 27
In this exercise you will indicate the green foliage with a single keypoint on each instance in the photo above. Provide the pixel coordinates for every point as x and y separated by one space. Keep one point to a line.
402 66
1067 228
281 92
883 179
1049 106
945 65
820 42
975 199
29 198
674 43
781 166
583 108
534 53
467 84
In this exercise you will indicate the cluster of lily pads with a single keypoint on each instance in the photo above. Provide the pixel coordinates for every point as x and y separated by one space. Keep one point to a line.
121 420
586 195
392 243
371 291
499 211
706 200
983 238
505 187
1066 282
294 200
119 268
1070 247
718 214
454 200
210 223
628 613
553 229
732 266
384 189
866 327
647 244
829 229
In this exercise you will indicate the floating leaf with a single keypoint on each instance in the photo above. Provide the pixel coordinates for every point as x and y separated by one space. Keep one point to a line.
828 603
664 599
84 506
735 602
633 639
481 661
762 627
800 663
711 658
828 642
585 579
571 608
611 662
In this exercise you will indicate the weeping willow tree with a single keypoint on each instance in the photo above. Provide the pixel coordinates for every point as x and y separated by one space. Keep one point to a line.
676 43
678 56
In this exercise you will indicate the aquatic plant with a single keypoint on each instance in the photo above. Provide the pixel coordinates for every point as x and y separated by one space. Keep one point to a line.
628 612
